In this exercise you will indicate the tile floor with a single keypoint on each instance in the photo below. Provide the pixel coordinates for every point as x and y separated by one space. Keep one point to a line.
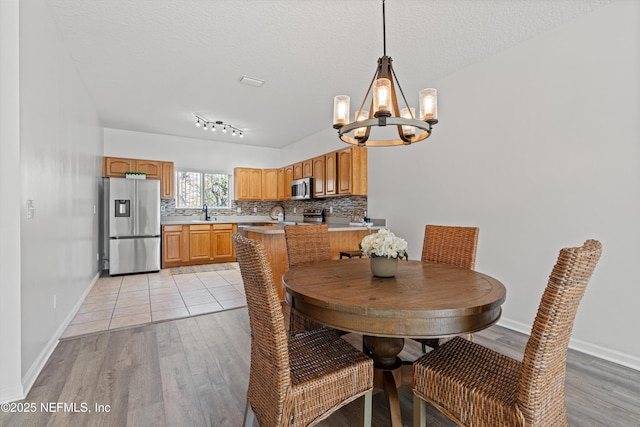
123 301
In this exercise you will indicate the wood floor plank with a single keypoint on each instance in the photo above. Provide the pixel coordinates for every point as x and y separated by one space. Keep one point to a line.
145 406
194 372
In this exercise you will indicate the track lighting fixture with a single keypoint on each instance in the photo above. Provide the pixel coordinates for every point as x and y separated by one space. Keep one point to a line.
200 120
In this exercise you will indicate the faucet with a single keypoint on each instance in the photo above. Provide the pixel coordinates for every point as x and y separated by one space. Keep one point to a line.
205 208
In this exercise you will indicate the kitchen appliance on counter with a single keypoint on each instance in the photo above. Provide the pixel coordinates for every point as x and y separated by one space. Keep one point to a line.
302 189
132 225
313 215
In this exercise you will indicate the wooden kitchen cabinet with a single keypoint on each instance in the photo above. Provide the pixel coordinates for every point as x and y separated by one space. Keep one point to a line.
167 181
175 245
330 167
270 184
307 168
195 244
200 243
352 173
221 243
153 168
248 183
297 170
116 167
318 176
338 173
288 177
281 188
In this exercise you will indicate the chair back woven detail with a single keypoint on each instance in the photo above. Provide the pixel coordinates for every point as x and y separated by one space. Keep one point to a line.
450 245
269 375
294 380
307 243
476 386
542 374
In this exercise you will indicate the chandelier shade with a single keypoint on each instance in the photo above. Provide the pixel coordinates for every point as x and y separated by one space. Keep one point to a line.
384 109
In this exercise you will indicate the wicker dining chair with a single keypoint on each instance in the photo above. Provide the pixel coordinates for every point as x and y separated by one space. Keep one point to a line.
476 386
451 245
305 244
294 380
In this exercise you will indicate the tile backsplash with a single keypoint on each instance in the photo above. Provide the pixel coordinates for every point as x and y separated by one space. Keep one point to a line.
343 207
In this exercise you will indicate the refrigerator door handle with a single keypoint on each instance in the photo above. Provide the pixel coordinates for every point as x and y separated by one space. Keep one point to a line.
136 223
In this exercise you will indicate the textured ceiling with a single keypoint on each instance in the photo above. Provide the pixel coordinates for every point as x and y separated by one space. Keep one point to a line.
149 65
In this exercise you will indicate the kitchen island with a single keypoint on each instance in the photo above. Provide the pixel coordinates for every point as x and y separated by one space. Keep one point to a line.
342 237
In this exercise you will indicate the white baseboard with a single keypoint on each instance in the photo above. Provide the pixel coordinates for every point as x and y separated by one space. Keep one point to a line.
11 394
614 356
32 374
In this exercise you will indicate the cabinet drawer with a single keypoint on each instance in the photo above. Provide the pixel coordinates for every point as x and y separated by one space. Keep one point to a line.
172 227
223 226
199 227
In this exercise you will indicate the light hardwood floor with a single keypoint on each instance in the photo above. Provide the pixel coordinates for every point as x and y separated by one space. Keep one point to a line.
194 372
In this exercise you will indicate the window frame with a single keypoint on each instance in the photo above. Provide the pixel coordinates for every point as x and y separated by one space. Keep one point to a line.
202 173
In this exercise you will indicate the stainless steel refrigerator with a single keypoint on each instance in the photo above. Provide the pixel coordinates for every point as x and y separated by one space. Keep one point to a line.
132 222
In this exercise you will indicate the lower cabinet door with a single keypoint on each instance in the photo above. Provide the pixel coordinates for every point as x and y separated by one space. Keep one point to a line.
200 243
221 243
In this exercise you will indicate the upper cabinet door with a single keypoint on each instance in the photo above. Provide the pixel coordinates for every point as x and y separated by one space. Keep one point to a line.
116 166
288 177
330 174
297 170
318 176
352 171
167 181
152 168
248 183
307 168
270 184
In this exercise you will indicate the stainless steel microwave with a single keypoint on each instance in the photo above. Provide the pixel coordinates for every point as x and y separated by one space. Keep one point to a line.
302 189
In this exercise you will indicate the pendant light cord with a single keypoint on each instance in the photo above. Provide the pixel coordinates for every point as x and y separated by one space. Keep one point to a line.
384 31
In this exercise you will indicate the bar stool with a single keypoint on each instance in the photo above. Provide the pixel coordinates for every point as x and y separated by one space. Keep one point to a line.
350 254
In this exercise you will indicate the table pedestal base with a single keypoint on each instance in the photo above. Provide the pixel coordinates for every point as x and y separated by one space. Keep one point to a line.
387 370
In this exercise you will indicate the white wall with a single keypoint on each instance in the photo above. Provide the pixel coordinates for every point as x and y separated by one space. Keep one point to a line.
538 146
10 378
313 145
188 152
60 149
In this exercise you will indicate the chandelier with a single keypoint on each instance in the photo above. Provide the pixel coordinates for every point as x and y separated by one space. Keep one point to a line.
383 109
217 124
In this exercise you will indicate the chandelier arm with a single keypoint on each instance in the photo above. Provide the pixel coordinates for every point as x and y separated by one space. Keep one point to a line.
394 101
401 91
362 141
366 95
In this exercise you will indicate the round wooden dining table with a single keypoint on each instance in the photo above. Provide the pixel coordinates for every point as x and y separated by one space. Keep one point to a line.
423 300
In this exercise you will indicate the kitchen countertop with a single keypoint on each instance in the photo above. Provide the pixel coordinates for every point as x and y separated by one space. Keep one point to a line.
254 223
186 220
279 229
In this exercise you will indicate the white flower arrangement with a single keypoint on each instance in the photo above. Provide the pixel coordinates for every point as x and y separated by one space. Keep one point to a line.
384 244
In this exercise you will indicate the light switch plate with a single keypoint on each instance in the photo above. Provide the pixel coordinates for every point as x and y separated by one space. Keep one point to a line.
31 209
